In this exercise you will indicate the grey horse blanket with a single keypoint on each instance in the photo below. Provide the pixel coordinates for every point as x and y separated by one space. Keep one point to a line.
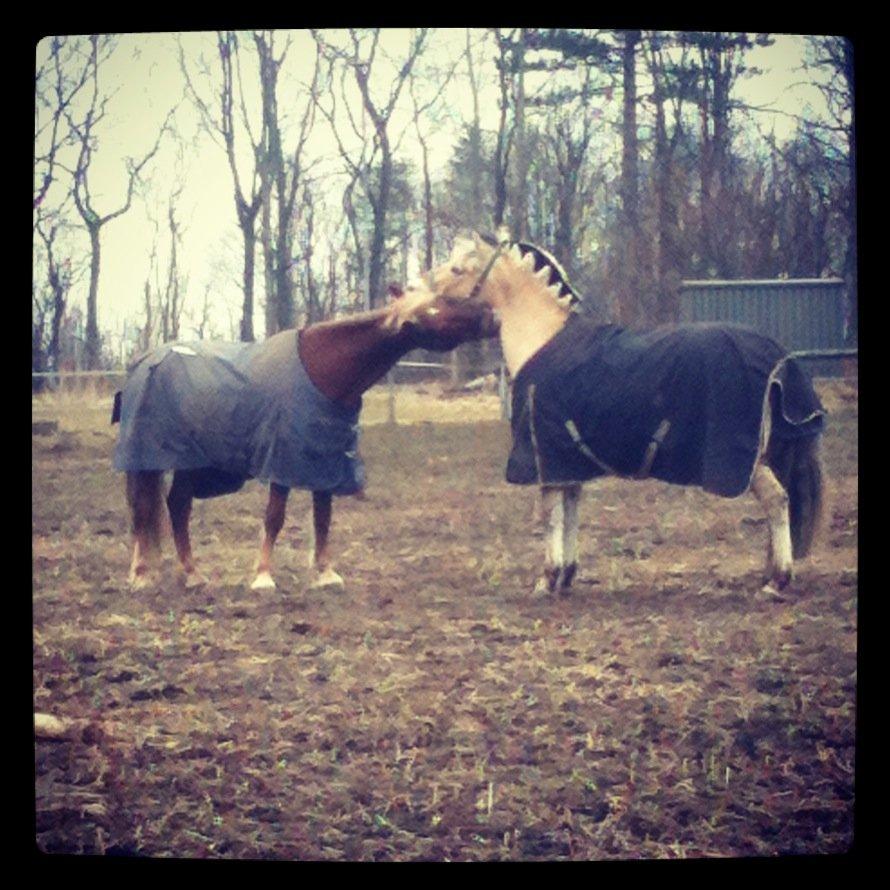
688 404
236 411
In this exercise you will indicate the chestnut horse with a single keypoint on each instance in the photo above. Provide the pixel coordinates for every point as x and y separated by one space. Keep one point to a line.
205 412
718 406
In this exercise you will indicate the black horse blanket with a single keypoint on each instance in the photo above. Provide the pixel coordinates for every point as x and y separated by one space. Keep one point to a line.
688 404
236 411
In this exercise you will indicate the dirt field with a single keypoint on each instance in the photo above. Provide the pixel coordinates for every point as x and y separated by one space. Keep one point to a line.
437 709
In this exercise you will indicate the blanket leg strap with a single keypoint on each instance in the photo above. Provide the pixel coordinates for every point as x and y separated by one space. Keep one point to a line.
648 458
580 445
652 450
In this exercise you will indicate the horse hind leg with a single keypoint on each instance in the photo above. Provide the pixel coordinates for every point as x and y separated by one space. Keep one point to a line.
774 500
145 505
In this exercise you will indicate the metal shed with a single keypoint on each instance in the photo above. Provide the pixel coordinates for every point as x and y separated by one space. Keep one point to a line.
806 315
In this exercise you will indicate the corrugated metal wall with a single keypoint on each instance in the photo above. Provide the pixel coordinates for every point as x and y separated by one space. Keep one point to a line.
804 315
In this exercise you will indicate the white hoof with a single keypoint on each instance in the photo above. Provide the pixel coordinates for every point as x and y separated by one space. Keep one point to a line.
138 582
193 580
263 581
542 587
327 580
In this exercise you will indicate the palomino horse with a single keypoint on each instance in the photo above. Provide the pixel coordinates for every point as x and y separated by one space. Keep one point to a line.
718 406
285 410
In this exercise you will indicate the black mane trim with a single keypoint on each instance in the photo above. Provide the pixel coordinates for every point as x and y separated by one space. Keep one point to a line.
557 273
544 258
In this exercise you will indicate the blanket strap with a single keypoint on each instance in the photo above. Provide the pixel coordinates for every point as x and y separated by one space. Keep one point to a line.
648 458
654 443
579 442
533 434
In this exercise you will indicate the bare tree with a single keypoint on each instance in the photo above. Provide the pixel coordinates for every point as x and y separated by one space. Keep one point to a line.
224 125
58 82
421 110
314 309
202 324
522 142
284 179
834 55
83 130
375 178
174 296
427 185
51 301
569 131
475 142
164 302
506 125
721 62
673 84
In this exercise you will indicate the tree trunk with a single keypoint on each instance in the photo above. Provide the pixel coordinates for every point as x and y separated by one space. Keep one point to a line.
246 332
667 274
502 148
52 352
284 296
630 310
378 239
520 207
271 311
93 350
428 209
475 146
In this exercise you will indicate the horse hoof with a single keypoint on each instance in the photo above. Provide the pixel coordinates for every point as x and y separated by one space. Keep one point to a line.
193 580
543 587
327 580
777 581
556 579
567 576
138 582
263 581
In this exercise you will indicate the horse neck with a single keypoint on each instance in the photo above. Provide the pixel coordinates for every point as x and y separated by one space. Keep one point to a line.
344 358
529 318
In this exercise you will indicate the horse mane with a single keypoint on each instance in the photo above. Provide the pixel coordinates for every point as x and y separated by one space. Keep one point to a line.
353 319
543 258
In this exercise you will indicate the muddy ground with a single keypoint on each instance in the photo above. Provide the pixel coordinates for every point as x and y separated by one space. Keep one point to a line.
437 709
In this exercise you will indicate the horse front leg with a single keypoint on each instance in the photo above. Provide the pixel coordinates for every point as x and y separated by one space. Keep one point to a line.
774 500
559 506
571 498
179 506
325 576
272 525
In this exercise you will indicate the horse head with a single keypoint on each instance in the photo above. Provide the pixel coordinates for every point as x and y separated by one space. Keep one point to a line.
487 269
438 322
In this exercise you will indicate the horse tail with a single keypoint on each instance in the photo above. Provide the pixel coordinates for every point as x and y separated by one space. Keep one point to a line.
145 499
798 466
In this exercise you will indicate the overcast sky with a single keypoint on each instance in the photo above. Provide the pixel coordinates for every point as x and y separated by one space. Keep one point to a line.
144 70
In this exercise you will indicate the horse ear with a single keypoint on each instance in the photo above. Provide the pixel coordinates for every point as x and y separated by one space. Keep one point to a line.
395 291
